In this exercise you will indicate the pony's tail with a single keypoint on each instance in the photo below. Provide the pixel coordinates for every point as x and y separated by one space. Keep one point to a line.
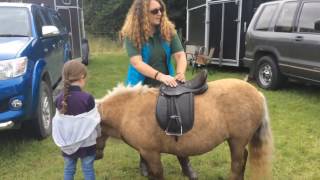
261 148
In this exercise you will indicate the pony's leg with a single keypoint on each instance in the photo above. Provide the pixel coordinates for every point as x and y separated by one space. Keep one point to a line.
143 167
154 165
187 168
238 159
245 155
101 143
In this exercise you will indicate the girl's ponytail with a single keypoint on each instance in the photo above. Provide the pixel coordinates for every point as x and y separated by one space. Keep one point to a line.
66 85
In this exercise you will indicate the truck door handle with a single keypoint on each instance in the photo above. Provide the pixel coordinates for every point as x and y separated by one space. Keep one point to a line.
54 45
299 38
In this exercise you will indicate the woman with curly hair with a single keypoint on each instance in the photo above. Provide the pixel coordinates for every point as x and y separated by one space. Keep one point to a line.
150 40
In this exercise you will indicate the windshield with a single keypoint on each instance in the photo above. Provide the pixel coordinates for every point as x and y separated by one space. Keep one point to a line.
14 22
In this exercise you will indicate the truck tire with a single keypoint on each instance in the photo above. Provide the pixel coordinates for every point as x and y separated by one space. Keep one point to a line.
45 111
268 75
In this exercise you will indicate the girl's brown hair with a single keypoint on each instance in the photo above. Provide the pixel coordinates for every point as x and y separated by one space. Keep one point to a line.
72 71
138 28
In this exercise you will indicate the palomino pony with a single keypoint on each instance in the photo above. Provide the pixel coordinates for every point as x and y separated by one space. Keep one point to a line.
230 110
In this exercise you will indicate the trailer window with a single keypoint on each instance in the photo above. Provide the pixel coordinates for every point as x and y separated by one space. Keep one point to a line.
286 17
195 3
14 21
265 18
309 16
66 2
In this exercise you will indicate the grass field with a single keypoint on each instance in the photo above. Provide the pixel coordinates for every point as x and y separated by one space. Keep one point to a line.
295 124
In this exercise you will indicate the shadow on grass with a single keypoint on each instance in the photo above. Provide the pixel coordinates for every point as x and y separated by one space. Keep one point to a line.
223 69
301 87
16 139
229 69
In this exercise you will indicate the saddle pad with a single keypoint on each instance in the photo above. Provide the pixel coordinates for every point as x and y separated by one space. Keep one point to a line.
184 108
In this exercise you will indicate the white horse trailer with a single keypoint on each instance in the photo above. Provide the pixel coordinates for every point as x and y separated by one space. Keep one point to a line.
220 24
71 12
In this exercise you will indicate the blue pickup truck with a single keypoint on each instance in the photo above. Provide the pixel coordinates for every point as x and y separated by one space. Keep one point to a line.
34 45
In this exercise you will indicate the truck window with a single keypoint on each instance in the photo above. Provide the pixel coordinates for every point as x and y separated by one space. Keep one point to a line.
309 15
58 22
15 21
265 18
45 17
286 17
39 22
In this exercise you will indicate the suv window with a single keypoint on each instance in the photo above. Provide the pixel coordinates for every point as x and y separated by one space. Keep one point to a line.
266 17
286 17
309 15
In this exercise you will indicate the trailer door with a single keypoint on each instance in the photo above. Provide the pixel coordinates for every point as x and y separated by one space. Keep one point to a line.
196 16
224 33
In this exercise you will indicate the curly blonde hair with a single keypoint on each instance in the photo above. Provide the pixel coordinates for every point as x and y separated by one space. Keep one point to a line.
137 26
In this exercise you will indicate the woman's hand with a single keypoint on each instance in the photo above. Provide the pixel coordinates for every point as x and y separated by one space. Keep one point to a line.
167 80
180 77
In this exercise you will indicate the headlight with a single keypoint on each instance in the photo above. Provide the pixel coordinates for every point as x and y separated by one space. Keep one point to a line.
13 68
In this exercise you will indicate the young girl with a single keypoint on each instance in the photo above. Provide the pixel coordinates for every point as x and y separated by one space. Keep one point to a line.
75 125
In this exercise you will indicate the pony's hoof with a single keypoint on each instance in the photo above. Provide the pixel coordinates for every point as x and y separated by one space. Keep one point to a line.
191 175
144 170
99 156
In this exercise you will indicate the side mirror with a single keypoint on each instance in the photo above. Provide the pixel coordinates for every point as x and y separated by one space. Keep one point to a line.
49 31
317 25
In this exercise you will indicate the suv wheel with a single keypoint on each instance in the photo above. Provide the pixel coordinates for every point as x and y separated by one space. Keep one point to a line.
268 75
45 111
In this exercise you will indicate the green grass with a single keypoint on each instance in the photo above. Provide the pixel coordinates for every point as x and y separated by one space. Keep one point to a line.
295 121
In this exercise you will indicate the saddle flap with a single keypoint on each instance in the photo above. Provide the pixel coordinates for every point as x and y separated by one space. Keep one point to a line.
175 115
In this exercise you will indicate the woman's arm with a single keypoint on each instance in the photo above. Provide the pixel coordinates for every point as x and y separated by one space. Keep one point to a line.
148 71
181 61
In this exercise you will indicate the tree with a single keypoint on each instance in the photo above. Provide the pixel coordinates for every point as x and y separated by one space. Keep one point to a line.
105 17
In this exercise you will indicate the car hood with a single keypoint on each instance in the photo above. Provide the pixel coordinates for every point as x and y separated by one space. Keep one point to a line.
11 46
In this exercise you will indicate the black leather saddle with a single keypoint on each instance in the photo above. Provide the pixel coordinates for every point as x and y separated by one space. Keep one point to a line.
175 105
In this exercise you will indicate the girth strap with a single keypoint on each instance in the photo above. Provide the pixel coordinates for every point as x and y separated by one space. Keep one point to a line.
174 126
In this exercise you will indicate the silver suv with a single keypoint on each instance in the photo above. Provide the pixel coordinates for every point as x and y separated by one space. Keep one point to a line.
283 40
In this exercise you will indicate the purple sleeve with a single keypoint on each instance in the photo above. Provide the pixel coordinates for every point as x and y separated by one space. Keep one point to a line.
91 103
58 100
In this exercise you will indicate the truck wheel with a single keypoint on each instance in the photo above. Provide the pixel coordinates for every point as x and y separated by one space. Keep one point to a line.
268 75
45 111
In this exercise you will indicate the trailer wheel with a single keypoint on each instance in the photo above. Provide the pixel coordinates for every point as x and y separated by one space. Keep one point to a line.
43 122
268 75
85 51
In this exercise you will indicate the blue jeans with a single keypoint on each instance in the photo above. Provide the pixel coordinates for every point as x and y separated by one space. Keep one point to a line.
86 164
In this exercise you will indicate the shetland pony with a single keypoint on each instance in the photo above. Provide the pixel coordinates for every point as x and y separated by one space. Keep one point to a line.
230 110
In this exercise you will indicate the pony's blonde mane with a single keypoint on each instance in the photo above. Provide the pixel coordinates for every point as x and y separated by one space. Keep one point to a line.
122 89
